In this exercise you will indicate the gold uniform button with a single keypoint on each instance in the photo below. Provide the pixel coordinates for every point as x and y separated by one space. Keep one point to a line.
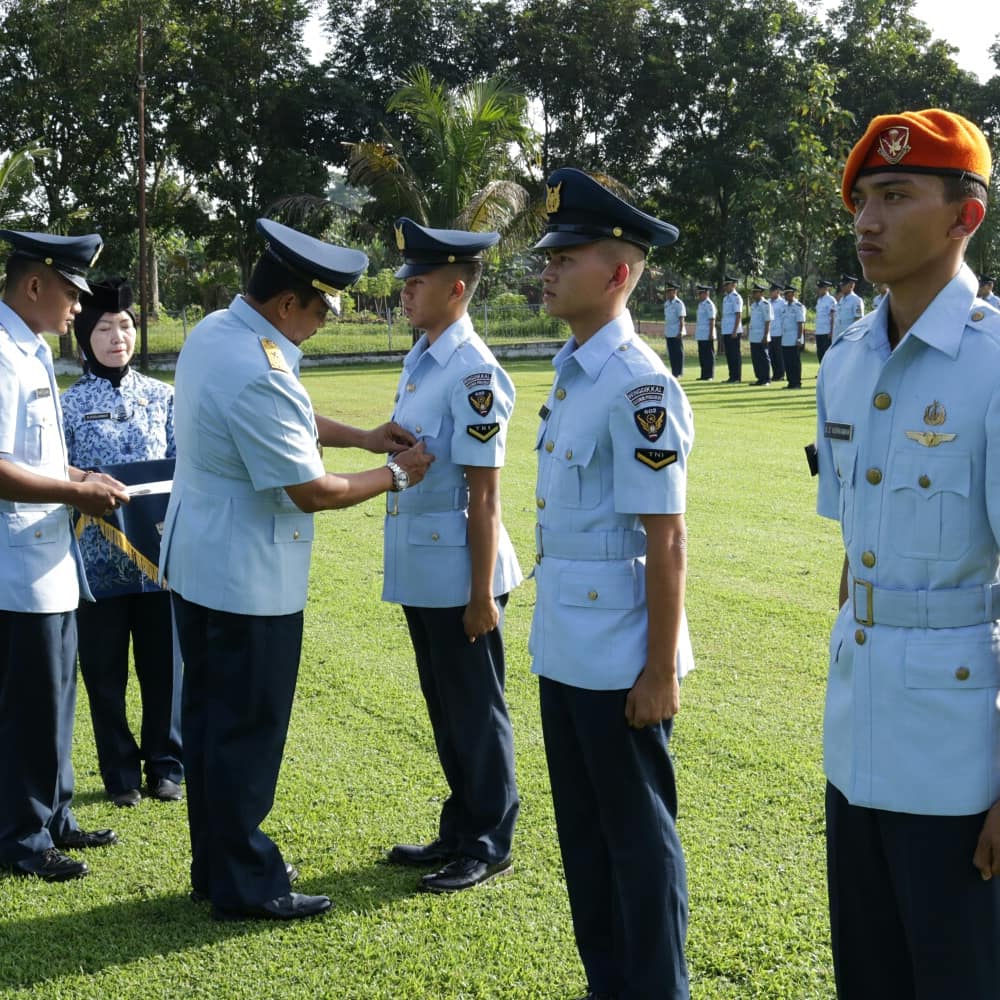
549 445
868 559
977 316
541 503
410 387
623 347
924 481
874 476
560 393
435 536
883 401
569 453
295 534
592 595
38 534
418 429
962 674
859 636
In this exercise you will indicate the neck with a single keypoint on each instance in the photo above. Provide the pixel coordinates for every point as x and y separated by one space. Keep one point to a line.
584 327
435 330
913 294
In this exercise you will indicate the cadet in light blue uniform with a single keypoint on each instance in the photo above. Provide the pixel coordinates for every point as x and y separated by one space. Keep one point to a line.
41 573
774 344
115 415
609 637
986 284
826 313
793 324
850 308
674 315
908 424
236 548
761 320
704 332
448 559
732 328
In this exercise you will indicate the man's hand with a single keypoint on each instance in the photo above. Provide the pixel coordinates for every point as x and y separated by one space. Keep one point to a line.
414 462
481 616
653 699
389 438
99 494
987 856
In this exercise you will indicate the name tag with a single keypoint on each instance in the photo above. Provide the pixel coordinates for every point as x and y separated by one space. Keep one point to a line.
97 416
839 432
43 393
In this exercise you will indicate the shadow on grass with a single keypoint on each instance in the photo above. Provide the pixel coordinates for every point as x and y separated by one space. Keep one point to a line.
45 948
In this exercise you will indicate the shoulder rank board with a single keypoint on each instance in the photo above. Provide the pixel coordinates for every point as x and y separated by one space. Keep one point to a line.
274 356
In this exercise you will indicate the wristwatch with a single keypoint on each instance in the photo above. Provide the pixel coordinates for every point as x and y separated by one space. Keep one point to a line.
400 477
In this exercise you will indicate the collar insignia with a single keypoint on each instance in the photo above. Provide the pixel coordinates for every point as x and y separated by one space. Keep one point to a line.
935 415
894 144
930 439
552 198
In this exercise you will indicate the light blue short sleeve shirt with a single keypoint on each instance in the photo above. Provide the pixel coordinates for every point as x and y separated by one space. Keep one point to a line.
761 314
706 313
674 314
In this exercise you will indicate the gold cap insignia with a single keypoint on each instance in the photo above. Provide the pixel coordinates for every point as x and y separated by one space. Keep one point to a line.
400 238
935 415
894 143
552 198
617 231
48 260
451 258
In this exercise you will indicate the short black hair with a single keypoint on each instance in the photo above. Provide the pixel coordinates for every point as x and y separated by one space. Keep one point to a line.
958 187
270 279
18 267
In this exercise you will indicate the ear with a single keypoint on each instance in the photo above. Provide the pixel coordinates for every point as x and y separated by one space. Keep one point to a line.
620 276
457 289
285 303
970 217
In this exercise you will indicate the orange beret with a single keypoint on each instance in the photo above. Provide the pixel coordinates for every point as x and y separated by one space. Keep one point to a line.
919 142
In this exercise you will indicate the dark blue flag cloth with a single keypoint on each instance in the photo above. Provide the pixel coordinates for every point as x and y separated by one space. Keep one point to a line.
135 528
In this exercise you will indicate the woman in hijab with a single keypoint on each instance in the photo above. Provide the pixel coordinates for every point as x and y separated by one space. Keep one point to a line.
114 415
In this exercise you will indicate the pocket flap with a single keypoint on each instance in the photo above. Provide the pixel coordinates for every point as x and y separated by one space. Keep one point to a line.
952 665
575 451
930 474
293 528
449 528
598 589
36 527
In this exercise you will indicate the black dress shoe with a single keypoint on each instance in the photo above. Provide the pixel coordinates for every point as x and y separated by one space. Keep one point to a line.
165 790
127 799
77 840
51 866
464 873
420 854
201 897
293 906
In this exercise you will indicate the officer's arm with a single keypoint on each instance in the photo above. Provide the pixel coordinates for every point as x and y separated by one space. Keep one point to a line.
655 696
97 494
386 438
987 856
481 614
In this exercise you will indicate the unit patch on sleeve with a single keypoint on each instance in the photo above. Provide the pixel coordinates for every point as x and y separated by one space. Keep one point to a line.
481 400
483 432
274 356
651 420
477 378
645 394
655 458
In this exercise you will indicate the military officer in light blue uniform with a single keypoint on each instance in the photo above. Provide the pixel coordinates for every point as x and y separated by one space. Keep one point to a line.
793 326
704 332
448 559
732 328
761 319
235 552
41 573
908 424
986 283
674 315
609 637
826 314
851 306
774 344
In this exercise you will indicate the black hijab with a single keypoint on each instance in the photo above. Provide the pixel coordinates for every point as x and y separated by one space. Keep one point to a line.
111 296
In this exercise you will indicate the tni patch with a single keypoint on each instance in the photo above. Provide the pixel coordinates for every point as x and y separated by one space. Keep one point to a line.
483 432
655 458
651 420
481 401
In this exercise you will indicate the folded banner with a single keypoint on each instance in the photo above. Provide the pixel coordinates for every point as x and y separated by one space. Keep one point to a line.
135 528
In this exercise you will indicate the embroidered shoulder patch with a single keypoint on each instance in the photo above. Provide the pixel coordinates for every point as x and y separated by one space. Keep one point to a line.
274 356
483 432
651 420
655 458
477 378
645 394
481 400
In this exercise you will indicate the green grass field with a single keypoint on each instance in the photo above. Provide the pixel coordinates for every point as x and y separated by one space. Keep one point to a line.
360 771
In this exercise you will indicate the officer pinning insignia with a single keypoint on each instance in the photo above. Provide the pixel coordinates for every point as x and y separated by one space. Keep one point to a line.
481 401
935 414
70 256
426 249
274 356
655 458
645 394
651 420
930 439
483 432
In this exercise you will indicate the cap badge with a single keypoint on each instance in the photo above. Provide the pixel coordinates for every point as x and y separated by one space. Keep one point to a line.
894 143
400 238
935 415
552 198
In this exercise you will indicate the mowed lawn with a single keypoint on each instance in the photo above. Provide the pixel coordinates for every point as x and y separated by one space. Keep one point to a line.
360 772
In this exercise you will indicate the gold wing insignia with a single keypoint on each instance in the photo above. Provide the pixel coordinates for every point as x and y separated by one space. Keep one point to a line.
930 439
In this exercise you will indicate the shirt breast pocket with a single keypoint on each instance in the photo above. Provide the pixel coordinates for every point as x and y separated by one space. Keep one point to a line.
929 504
844 461
38 431
293 528
576 482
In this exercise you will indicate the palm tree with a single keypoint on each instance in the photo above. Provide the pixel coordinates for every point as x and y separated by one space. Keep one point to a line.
18 166
473 142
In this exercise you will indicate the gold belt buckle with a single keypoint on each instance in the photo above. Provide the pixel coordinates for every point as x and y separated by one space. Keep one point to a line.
867 587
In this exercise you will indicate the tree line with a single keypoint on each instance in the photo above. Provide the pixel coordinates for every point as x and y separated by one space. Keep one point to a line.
730 118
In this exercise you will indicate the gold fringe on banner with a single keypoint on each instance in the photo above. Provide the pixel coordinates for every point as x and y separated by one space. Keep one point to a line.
119 541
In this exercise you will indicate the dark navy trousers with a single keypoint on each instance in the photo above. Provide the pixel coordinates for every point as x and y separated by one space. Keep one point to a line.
793 366
777 357
706 359
615 802
675 352
910 916
761 362
239 682
37 706
463 686
734 356
105 628
823 341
